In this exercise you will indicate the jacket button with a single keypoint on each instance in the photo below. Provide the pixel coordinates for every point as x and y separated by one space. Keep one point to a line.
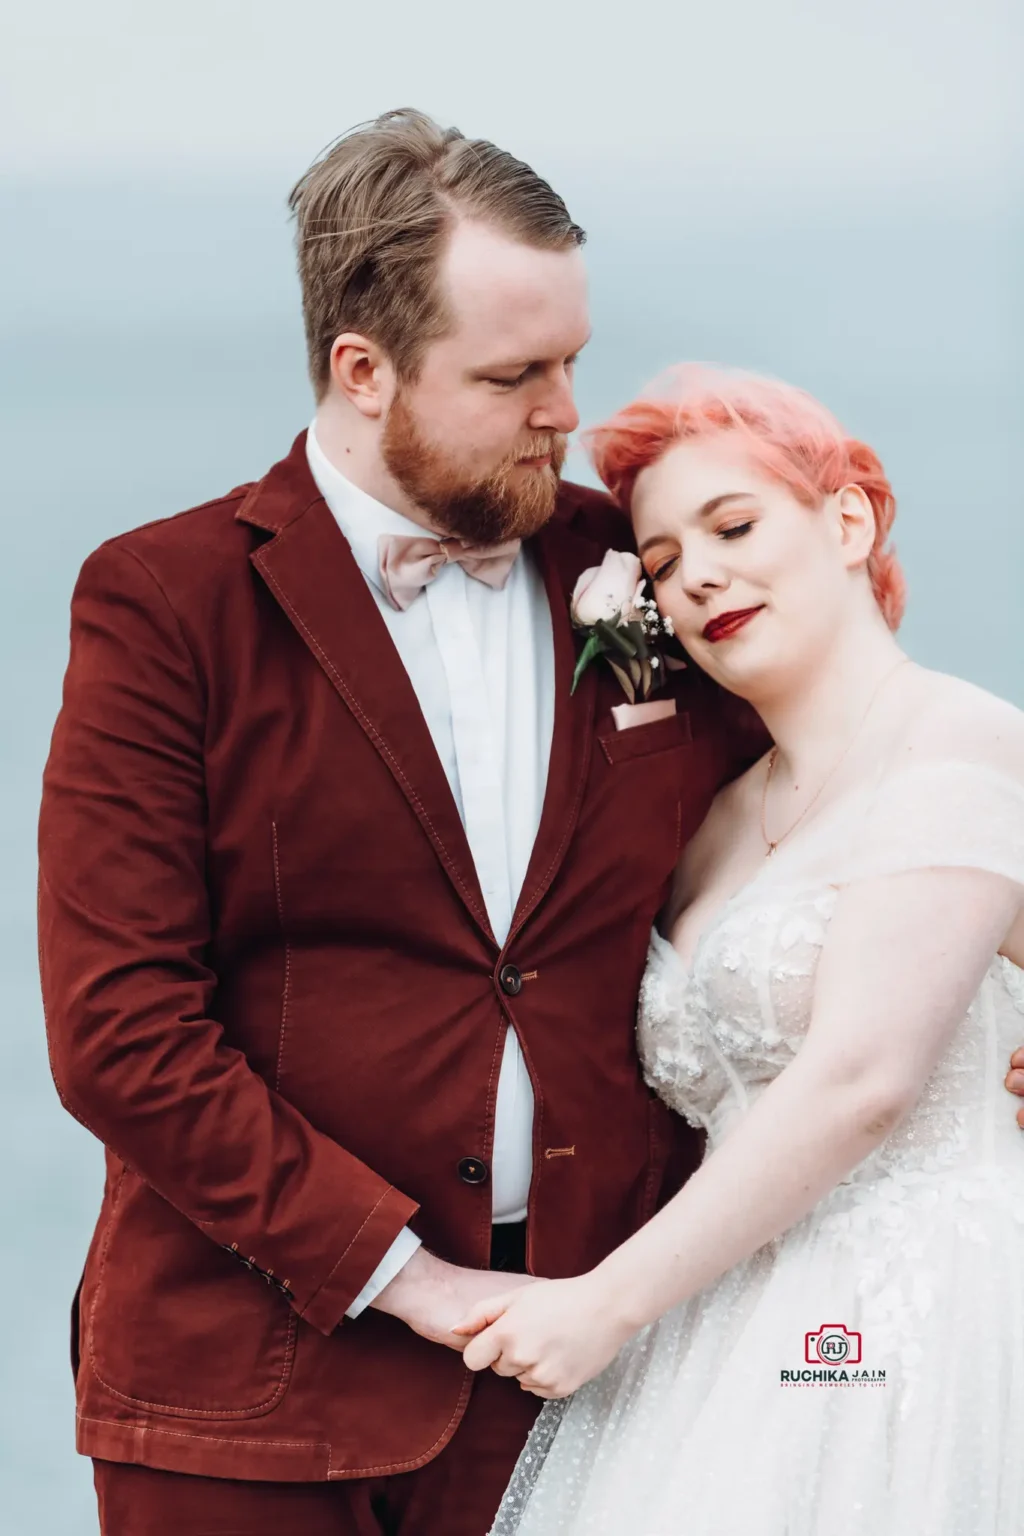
472 1171
510 980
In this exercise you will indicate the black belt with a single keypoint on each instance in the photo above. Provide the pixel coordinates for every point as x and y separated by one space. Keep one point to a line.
508 1247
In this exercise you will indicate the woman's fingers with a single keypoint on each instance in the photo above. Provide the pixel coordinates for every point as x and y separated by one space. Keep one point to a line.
482 1351
506 1366
539 1389
483 1314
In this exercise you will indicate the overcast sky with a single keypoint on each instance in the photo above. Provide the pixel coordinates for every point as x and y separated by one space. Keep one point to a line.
767 89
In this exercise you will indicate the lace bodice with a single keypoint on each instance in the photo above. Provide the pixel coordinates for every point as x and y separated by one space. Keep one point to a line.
714 1032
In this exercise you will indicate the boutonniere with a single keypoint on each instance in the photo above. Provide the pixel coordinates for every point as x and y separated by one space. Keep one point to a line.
622 624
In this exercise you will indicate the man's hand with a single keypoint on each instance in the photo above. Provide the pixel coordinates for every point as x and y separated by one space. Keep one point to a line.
432 1296
1015 1081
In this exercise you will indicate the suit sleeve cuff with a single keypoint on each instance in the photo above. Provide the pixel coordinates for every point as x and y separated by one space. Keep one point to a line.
367 1249
396 1258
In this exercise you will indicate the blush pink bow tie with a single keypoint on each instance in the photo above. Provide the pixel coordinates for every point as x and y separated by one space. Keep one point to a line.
407 565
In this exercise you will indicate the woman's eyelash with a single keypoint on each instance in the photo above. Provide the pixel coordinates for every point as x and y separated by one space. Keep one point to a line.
737 531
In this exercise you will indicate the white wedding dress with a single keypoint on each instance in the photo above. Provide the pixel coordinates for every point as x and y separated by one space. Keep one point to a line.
693 1429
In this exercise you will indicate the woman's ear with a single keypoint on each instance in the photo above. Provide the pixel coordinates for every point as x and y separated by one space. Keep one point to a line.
855 524
361 372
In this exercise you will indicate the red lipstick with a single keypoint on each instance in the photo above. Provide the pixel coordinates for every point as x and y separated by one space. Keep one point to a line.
727 624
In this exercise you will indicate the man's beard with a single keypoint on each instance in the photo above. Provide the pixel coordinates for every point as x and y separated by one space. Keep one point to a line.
491 509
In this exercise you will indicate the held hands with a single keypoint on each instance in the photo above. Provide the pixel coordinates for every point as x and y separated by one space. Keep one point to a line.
554 1337
1015 1081
431 1295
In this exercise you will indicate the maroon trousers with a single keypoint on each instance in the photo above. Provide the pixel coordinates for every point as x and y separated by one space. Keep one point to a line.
456 1494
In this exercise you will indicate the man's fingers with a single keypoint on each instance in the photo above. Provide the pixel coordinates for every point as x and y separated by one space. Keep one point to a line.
1017 1059
1020 1118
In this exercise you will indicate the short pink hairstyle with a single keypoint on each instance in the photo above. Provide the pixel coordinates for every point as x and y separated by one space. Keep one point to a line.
789 435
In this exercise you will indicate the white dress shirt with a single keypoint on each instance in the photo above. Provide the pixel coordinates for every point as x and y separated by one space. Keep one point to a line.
481 663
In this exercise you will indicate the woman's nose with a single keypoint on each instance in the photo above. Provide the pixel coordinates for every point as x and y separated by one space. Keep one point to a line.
701 571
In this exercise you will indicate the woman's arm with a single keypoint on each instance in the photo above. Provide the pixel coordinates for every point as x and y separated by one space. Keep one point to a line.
903 958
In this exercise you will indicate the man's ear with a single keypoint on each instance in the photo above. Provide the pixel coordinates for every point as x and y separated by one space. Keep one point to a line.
855 523
362 373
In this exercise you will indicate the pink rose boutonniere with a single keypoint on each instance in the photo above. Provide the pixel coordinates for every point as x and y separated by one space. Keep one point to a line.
621 624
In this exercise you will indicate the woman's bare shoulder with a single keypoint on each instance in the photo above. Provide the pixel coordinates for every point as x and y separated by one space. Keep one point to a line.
958 721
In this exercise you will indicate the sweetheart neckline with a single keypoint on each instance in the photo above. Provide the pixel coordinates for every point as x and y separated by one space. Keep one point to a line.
688 965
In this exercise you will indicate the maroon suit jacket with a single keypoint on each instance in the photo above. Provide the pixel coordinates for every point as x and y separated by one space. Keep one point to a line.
272 991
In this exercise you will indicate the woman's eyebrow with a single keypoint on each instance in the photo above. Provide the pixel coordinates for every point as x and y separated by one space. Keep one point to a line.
705 511
717 501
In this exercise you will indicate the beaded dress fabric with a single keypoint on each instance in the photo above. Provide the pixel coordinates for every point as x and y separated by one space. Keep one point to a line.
694 1429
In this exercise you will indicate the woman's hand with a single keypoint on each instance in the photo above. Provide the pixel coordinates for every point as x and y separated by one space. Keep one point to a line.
553 1336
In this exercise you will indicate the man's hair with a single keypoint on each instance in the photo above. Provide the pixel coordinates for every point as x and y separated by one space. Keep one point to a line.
373 214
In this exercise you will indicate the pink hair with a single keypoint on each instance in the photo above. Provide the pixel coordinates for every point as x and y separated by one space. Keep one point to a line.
789 435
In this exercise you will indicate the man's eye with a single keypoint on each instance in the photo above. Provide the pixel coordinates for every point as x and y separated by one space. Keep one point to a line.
508 383
736 531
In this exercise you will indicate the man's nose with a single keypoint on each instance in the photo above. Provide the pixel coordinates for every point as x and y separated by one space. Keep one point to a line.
557 411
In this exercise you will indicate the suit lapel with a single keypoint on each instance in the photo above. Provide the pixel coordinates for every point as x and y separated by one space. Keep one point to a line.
308 566
562 555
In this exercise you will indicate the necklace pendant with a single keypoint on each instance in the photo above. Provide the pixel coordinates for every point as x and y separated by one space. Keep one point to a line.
771 849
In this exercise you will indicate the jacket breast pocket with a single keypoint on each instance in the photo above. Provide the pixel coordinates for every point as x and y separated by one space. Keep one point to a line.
643 740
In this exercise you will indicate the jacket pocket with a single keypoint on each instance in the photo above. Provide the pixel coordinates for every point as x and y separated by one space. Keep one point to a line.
642 740
176 1326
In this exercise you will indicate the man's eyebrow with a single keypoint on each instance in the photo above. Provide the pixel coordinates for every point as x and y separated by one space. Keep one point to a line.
527 362
705 511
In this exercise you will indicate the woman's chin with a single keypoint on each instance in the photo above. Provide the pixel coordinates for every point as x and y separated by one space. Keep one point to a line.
746 676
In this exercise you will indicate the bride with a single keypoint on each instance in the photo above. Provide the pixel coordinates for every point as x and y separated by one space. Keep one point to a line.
822 1333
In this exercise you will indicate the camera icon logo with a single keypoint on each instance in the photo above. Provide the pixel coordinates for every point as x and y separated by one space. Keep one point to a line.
833 1344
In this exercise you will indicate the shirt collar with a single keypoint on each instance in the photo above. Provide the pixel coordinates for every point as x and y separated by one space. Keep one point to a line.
361 517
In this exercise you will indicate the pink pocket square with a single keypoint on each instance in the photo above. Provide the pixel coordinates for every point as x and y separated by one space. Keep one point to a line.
627 715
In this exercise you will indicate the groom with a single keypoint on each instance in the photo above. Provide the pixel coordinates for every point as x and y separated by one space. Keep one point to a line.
344 899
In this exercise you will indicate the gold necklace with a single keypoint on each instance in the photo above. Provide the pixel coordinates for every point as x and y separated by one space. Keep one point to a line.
772 844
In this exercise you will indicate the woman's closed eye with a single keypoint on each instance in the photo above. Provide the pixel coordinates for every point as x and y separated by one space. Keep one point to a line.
664 568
